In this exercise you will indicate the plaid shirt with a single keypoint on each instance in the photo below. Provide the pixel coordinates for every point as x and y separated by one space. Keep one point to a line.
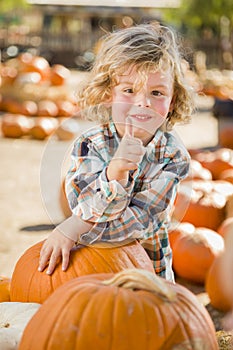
139 210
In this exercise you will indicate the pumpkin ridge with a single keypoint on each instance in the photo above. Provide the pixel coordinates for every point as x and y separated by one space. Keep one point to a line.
76 294
98 294
106 262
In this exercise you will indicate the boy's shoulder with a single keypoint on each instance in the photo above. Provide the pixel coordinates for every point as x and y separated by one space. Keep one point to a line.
95 133
175 144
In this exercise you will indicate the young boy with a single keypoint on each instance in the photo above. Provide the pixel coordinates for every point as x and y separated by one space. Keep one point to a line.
125 172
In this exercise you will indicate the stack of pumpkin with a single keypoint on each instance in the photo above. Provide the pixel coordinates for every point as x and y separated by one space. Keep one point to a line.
108 298
204 208
34 96
217 83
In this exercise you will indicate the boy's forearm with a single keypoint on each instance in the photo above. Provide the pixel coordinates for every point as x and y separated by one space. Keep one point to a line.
73 227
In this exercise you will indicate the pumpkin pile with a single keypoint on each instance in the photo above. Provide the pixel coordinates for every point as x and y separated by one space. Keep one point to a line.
216 83
75 309
203 217
35 97
149 312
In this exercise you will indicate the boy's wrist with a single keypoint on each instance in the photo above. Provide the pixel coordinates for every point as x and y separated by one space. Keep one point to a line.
114 174
73 227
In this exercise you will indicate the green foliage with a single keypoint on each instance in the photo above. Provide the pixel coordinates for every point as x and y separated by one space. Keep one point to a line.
195 15
8 5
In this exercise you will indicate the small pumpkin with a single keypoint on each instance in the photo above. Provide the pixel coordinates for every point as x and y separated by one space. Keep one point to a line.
47 108
194 252
38 64
30 285
29 108
4 288
139 311
15 125
13 319
66 108
68 129
43 127
197 171
59 74
216 161
205 202
215 288
177 230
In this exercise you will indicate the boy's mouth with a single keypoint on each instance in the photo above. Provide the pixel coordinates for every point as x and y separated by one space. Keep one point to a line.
141 117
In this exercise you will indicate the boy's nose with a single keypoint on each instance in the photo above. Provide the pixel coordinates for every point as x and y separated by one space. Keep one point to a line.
143 101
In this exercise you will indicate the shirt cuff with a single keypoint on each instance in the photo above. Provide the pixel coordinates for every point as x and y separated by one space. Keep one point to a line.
113 189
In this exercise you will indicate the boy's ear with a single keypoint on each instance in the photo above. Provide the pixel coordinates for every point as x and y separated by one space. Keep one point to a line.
172 103
108 102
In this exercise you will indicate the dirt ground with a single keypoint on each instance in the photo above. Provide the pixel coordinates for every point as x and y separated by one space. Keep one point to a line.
30 177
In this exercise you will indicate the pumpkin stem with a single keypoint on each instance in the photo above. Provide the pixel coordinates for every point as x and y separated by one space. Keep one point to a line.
142 279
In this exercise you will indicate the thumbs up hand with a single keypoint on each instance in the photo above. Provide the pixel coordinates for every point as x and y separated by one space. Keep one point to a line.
128 155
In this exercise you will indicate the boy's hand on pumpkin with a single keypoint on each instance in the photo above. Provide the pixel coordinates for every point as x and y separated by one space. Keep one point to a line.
128 155
57 246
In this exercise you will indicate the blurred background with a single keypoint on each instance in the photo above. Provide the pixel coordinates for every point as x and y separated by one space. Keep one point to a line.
46 50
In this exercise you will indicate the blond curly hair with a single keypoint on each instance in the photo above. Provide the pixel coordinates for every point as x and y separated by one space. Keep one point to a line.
149 47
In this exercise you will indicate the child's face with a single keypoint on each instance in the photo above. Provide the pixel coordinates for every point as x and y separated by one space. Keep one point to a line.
147 107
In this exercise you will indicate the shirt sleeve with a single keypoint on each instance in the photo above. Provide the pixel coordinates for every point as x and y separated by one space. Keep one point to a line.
90 195
118 212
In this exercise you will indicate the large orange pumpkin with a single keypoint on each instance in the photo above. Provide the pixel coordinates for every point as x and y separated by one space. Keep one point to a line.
4 288
194 252
215 288
30 285
130 310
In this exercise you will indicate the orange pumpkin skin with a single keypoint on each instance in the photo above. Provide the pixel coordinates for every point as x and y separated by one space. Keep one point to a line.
226 227
43 127
47 108
194 252
177 232
15 126
4 288
30 285
215 288
216 161
226 137
59 74
198 172
205 204
86 314
227 175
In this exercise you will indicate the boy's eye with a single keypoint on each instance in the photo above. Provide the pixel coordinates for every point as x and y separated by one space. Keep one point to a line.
156 93
128 91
